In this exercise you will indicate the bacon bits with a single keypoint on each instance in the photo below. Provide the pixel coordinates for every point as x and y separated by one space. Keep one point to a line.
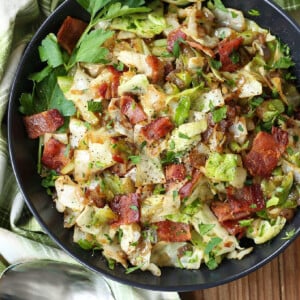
44 122
127 208
157 129
187 189
55 155
240 204
132 110
70 32
169 231
95 197
175 172
174 36
265 152
226 49
115 81
157 68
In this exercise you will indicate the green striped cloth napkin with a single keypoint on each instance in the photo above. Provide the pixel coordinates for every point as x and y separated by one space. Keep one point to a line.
21 237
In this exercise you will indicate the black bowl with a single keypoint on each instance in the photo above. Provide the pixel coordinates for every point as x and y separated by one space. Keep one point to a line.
23 154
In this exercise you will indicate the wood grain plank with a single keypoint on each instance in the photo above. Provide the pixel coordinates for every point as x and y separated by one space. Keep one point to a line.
289 262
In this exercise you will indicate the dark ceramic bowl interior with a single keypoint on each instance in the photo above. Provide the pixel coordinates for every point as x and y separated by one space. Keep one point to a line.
23 153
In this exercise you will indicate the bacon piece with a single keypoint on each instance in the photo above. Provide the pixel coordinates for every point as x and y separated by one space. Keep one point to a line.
157 67
174 36
54 155
197 159
234 228
265 152
118 158
127 208
187 189
157 129
281 137
96 197
226 48
115 81
104 91
175 172
132 110
240 203
44 122
70 32
169 231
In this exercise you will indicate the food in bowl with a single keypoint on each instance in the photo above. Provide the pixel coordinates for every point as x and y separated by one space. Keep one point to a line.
168 132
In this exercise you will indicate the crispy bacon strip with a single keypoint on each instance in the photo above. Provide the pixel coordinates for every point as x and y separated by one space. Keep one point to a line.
226 48
70 32
44 122
281 137
187 189
173 36
104 90
265 152
115 81
132 110
157 129
127 208
175 172
55 156
234 228
173 231
240 203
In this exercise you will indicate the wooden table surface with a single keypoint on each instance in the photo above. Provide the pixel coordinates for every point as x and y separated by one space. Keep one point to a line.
277 280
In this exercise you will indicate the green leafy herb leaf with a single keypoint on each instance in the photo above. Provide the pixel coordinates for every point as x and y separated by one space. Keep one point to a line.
48 95
289 234
49 180
93 6
283 63
94 106
90 50
39 76
254 12
50 51
118 9
84 244
135 159
134 207
27 104
176 47
111 263
171 157
234 57
132 269
216 64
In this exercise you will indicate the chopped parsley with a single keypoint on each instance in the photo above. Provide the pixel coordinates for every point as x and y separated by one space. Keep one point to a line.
289 234
135 159
254 12
94 106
